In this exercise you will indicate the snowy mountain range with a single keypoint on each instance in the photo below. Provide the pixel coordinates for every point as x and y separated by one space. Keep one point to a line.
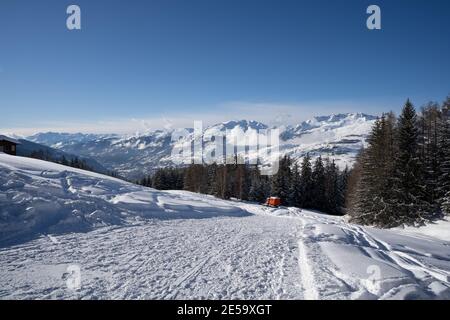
339 136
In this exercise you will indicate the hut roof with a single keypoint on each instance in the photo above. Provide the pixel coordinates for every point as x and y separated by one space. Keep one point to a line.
5 138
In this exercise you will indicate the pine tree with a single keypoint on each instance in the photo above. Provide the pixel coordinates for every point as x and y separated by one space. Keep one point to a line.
360 202
385 155
344 177
430 123
241 179
319 188
331 188
281 181
306 196
259 187
371 201
408 190
266 187
211 178
255 191
158 181
223 187
295 188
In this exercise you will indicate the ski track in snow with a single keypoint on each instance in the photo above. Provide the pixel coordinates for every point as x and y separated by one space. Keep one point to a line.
139 243
309 290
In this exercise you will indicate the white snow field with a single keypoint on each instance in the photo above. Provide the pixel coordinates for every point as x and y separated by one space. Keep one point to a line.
131 242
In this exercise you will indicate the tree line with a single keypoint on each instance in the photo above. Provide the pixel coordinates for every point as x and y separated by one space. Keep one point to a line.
317 185
73 162
403 176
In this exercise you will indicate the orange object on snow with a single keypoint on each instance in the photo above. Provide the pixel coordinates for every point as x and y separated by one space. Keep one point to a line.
273 201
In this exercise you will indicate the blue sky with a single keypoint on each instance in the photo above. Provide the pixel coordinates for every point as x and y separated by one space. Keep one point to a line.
153 63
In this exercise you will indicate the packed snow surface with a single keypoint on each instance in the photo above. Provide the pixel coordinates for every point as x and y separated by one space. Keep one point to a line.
131 242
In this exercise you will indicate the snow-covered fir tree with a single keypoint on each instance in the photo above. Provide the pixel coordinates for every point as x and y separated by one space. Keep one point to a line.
306 181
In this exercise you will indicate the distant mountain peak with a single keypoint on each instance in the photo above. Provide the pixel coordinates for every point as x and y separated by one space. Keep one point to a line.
244 124
342 116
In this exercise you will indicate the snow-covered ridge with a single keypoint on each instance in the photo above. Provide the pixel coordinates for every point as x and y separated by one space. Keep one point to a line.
244 124
132 242
27 149
339 136
39 197
332 122
57 139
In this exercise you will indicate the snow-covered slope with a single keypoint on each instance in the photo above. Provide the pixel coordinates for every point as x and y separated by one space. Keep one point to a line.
338 136
40 197
132 242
